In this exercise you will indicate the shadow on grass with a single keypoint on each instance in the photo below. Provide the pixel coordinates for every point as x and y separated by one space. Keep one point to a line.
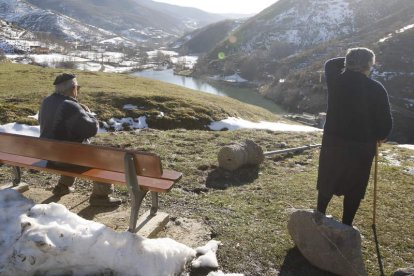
222 179
90 212
296 265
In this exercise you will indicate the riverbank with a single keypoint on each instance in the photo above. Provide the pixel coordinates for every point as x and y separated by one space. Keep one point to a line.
248 95
165 106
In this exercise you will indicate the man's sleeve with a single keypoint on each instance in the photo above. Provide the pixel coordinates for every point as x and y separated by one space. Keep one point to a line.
383 114
333 68
80 124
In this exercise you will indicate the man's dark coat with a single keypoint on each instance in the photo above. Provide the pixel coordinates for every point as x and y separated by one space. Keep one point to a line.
63 118
358 116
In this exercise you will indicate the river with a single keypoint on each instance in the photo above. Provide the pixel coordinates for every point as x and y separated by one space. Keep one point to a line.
246 95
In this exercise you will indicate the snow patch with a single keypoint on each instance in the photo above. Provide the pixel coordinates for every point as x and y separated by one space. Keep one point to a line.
409 171
388 36
130 107
21 129
120 124
208 256
36 116
390 158
407 146
232 123
207 260
48 237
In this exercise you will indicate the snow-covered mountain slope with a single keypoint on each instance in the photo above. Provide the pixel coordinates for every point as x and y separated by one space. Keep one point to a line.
304 89
139 19
36 19
300 24
290 26
14 39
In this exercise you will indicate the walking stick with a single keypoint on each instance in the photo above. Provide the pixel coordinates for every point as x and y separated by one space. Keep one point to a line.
374 213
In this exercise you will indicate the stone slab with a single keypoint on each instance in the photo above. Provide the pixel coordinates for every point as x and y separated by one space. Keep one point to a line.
149 226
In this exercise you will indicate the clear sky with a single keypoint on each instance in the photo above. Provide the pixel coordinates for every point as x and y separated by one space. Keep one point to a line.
224 6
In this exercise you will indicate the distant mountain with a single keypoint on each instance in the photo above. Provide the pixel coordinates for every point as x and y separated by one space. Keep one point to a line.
284 49
192 18
203 40
298 81
8 35
141 20
36 19
291 26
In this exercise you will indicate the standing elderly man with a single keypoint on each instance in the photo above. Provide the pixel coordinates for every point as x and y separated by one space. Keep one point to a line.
358 117
62 117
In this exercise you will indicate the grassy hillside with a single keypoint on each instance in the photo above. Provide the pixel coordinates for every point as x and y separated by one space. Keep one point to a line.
23 88
250 217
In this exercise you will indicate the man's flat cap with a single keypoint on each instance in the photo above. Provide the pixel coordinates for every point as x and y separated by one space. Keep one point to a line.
63 77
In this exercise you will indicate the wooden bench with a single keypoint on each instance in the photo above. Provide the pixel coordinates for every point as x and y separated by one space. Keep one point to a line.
141 172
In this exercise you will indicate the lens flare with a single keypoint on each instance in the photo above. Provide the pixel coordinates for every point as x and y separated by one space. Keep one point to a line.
221 55
232 39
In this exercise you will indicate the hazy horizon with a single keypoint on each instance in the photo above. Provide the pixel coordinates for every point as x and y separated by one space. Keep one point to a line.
224 6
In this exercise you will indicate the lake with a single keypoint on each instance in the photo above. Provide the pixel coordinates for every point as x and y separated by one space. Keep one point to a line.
246 95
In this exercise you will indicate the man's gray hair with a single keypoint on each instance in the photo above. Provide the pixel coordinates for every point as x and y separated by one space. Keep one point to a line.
359 59
66 87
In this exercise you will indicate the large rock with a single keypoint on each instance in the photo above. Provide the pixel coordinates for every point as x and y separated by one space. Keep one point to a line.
327 243
404 272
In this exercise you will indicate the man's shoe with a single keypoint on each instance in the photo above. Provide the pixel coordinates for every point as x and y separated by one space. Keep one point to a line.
104 201
61 190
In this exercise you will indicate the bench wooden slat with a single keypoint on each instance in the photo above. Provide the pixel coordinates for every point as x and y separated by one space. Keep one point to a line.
171 175
92 156
145 183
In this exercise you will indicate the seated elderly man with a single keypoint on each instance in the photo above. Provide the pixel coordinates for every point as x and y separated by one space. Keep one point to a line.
62 117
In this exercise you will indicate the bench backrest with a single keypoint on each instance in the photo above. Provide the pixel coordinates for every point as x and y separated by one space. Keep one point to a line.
92 156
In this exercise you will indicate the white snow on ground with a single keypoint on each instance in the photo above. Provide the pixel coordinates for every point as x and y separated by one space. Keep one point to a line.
390 158
410 171
152 54
210 246
130 107
208 256
207 260
84 60
50 58
48 238
36 116
137 123
407 146
188 61
388 36
232 123
20 129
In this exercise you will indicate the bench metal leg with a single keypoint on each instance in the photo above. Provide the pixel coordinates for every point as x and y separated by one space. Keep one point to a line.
154 206
136 201
17 176
135 192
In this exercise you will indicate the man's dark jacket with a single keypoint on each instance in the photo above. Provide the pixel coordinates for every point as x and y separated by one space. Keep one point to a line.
63 118
358 116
